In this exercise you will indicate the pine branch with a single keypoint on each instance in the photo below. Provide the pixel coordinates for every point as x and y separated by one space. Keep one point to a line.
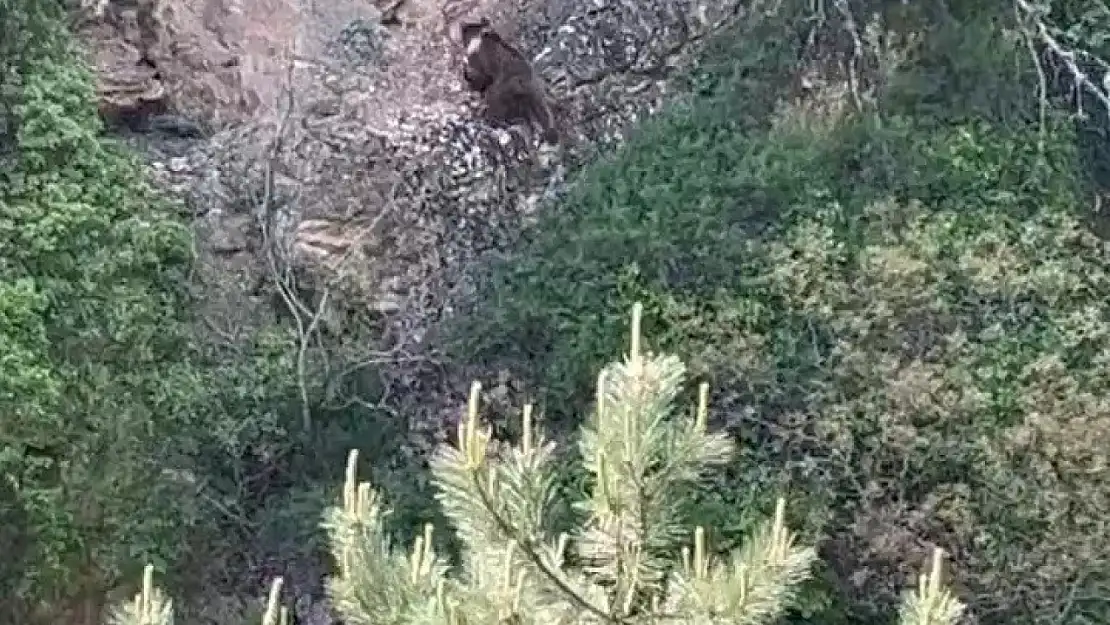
275 614
553 574
521 483
150 607
645 464
376 585
494 503
756 587
930 604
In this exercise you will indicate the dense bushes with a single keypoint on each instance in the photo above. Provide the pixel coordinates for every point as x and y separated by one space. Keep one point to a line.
903 311
92 278
108 399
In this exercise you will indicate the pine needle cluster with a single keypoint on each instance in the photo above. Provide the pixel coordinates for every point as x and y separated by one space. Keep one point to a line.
633 560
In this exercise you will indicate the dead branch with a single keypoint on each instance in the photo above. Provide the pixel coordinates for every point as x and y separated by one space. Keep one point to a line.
308 317
852 69
1031 17
283 278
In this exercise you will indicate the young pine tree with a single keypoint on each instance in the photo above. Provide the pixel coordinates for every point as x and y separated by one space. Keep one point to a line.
633 561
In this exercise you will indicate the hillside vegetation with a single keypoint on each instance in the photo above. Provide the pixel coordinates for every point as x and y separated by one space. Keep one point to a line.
902 310
872 237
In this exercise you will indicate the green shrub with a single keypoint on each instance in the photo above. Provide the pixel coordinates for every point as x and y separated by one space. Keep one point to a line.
108 398
92 281
904 313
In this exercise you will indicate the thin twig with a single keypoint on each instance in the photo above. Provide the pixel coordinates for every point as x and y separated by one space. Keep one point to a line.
1039 30
282 278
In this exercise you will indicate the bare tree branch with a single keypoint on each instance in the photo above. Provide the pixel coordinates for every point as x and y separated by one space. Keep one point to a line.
1039 31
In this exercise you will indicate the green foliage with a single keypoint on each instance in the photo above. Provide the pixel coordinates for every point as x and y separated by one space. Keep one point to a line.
903 309
978 69
127 435
108 399
90 288
628 562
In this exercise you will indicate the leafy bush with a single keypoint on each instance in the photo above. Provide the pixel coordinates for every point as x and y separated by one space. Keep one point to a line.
91 280
904 312
618 566
108 399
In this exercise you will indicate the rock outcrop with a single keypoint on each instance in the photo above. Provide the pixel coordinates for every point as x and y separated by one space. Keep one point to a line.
331 141
352 144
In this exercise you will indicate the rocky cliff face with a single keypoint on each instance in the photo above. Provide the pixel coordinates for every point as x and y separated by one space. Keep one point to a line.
329 142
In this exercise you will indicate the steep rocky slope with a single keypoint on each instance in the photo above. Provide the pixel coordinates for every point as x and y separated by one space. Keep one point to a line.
326 150
333 140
